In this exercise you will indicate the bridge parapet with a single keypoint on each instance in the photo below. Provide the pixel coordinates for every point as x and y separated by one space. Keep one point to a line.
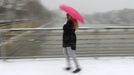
47 42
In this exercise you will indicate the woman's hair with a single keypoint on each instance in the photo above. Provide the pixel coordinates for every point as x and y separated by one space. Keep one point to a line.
75 22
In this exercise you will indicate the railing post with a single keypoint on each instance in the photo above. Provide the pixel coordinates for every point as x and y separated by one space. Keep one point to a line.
2 47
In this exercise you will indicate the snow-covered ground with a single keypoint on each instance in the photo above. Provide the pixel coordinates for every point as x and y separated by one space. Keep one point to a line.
53 66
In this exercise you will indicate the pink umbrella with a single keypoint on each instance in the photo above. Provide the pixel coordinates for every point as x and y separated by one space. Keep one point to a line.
72 12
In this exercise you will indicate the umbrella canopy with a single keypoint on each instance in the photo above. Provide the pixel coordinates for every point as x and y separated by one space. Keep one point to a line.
72 12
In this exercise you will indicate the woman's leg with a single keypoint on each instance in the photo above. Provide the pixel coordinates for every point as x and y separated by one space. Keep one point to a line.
73 55
66 54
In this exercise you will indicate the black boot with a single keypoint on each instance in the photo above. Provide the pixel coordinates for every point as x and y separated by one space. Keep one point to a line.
68 68
77 70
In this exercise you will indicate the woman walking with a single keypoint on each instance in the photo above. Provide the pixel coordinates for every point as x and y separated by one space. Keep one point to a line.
69 43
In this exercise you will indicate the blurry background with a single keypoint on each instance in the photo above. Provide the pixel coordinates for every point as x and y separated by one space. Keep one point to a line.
119 12
34 13
24 13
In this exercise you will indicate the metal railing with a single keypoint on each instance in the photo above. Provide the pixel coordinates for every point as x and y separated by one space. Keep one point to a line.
47 42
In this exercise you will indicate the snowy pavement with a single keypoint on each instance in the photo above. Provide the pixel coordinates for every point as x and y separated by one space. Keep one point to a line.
53 66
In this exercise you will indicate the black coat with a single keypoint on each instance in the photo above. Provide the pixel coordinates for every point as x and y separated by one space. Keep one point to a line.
69 36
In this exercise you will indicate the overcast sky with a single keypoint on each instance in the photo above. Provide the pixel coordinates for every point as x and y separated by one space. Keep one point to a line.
90 6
